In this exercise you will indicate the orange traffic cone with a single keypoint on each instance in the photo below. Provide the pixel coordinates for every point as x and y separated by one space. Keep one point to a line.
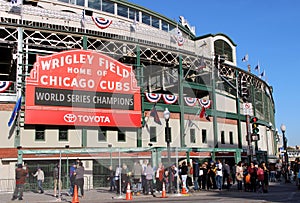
183 190
128 193
163 194
75 195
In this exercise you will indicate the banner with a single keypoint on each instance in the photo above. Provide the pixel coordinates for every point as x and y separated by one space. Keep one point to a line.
84 88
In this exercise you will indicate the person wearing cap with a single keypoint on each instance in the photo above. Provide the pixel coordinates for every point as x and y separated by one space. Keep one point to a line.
39 174
21 174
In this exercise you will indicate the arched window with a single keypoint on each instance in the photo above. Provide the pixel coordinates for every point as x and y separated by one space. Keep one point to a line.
223 48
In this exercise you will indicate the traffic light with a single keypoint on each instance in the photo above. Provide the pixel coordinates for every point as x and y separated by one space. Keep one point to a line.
244 90
255 129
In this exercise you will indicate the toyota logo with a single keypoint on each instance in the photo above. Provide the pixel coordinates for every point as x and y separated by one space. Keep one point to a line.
70 118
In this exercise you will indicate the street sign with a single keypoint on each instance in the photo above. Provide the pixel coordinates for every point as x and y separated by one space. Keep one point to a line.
248 109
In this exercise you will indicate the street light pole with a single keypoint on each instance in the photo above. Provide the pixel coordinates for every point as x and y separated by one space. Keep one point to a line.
283 129
110 146
168 140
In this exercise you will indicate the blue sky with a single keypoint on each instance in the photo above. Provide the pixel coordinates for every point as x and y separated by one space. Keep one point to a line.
267 30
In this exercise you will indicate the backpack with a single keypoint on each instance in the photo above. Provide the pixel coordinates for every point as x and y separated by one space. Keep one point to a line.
248 178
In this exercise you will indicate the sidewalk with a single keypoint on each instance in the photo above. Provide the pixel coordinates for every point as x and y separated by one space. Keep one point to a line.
103 195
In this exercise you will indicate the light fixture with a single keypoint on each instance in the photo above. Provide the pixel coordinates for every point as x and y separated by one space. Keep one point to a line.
167 114
283 128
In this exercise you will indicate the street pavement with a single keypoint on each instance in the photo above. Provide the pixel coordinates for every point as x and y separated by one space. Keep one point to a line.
278 192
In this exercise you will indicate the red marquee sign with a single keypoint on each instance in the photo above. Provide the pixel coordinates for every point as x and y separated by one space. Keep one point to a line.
82 88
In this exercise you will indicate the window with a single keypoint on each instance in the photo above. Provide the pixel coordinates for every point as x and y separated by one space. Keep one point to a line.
121 136
102 136
95 4
164 26
204 136
222 137
155 22
153 137
146 19
108 6
62 134
223 48
192 136
123 11
231 137
40 133
133 14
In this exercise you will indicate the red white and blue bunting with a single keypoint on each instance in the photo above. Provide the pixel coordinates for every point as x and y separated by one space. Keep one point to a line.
169 98
4 85
101 22
190 101
204 103
153 97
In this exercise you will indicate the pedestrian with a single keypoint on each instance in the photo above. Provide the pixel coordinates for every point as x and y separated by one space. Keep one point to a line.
117 179
149 179
239 175
203 176
111 179
21 174
266 177
252 170
39 174
125 177
219 174
57 180
72 179
195 174
174 178
189 179
144 182
137 176
184 172
159 175
79 179
260 178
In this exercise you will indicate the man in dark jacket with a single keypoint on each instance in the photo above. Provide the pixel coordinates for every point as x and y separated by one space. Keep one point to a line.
195 174
21 174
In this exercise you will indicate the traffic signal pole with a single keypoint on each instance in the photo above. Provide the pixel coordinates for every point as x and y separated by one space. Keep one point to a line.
250 150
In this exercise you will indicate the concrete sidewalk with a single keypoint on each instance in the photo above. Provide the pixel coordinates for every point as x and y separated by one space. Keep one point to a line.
103 195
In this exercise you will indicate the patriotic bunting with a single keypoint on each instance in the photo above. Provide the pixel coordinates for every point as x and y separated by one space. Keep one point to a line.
190 101
101 22
169 98
153 97
4 85
204 103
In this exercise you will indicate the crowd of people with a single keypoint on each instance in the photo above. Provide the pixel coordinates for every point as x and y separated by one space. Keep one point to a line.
145 179
197 176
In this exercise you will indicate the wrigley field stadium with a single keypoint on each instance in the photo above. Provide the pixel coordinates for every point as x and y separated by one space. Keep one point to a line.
111 83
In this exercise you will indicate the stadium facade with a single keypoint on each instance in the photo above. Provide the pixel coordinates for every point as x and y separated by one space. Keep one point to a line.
89 78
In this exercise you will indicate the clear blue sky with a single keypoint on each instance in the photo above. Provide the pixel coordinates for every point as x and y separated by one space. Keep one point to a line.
269 31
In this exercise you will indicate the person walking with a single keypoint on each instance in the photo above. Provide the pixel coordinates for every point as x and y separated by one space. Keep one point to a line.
21 174
39 174
79 179
111 178
149 179
56 180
